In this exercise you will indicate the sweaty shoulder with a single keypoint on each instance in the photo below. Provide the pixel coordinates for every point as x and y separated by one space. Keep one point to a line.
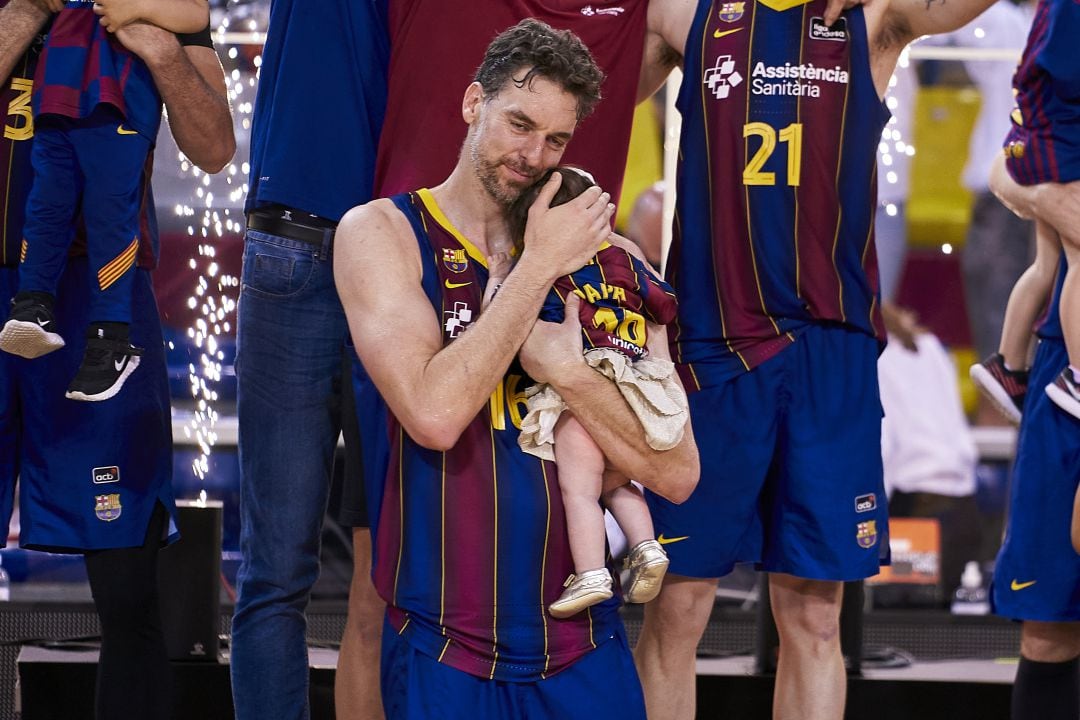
377 229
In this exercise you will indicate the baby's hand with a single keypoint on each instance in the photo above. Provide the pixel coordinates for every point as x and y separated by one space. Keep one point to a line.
499 266
115 14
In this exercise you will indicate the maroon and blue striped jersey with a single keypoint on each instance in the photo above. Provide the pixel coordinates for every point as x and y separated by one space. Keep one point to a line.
15 171
777 183
471 544
83 66
618 295
1044 142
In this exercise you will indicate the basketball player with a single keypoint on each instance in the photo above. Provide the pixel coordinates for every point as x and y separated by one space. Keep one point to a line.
95 478
1037 575
471 540
779 322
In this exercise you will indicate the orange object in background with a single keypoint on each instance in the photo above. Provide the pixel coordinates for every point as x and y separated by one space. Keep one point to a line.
915 544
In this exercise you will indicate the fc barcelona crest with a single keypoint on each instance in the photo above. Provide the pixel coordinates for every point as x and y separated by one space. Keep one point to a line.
455 260
732 11
866 534
107 507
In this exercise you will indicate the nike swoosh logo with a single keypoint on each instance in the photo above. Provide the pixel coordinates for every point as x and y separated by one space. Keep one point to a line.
43 323
1021 585
452 286
724 33
118 364
667 541
121 130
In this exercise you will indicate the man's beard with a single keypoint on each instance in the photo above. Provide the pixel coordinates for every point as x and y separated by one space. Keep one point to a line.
487 172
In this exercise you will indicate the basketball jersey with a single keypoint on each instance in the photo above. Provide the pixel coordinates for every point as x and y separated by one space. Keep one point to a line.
436 47
471 543
319 106
618 295
774 225
83 65
1044 142
15 170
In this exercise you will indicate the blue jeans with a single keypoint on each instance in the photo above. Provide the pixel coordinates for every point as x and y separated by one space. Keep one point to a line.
290 335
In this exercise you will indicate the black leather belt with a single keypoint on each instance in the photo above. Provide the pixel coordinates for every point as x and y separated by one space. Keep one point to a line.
293 224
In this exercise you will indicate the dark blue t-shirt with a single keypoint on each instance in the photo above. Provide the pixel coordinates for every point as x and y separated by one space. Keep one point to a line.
320 105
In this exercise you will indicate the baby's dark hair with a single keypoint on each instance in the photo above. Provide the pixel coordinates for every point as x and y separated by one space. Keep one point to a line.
573 184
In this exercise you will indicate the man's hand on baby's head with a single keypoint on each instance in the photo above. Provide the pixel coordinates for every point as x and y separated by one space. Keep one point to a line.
565 237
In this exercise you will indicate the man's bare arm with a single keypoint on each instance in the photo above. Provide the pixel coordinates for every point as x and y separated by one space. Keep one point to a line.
21 20
552 354
436 391
667 27
1055 203
192 84
893 24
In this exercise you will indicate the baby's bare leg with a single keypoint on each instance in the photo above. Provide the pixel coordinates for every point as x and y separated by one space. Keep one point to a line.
1028 298
627 504
581 469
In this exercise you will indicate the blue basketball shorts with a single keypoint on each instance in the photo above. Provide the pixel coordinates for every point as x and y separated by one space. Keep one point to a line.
1037 574
89 473
415 686
791 475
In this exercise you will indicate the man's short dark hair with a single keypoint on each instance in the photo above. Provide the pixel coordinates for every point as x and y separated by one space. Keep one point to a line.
533 49
573 184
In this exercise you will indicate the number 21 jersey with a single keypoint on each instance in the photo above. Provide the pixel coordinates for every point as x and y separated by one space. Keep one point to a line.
776 183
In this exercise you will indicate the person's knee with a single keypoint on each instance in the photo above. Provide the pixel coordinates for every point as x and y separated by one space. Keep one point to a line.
680 612
1050 642
806 610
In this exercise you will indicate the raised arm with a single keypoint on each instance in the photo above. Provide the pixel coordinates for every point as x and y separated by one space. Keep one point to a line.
433 390
893 24
666 30
178 16
192 84
21 20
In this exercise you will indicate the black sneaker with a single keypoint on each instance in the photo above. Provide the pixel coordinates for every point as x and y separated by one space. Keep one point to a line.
1065 392
28 331
1005 388
106 364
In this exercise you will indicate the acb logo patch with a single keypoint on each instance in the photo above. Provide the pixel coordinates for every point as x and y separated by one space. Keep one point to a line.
102 475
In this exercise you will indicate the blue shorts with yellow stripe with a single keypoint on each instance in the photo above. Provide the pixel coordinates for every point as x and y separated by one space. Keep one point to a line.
791 475
94 167
89 474
416 686
1037 574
